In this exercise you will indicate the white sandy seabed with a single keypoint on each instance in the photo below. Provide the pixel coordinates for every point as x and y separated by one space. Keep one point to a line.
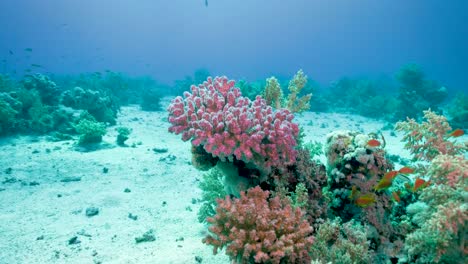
43 219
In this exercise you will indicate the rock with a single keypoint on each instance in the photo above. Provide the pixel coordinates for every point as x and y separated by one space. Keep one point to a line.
132 216
33 183
40 237
105 170
168 159
92 211
198 259
10 180
149 236
8 170
73 241
82 232
71 179
127 190
160 150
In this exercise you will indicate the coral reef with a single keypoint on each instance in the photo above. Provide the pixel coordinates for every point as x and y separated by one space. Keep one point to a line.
230 126
355 168
7 115
98 104
150 100
417 93
458 111
311 175
256 229
47 89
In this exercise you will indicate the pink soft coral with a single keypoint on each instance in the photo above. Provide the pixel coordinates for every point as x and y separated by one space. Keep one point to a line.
261 230
216 116
430 138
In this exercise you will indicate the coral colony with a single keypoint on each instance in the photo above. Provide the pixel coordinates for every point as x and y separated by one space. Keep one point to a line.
267 201
230 126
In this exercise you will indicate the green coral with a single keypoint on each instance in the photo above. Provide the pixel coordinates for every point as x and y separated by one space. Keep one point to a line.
100 105
341 243
123 134
150 100
212 189
300 197
90 131
250 89
46 88
458 111
7 115
417 93
315 148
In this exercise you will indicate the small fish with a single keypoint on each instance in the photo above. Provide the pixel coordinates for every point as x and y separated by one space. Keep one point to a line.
383 184
396 196
206 2
36 65
403 177
373 143
365 200
11 52
418 184
353 192
406 170
28 49
457 133
28 70
390 175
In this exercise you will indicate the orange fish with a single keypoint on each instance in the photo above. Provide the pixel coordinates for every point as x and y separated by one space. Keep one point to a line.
353 192
418 184
373 143
406 170
390 175
396 196
457 133
365 200
383 184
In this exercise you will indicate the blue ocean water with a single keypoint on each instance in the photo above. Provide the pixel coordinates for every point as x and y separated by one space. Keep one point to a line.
349 116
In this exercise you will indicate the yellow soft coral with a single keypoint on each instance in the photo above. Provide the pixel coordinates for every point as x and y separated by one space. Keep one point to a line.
295 104
274 95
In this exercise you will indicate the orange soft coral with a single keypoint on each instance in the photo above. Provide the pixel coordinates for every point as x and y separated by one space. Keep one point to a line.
256 229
